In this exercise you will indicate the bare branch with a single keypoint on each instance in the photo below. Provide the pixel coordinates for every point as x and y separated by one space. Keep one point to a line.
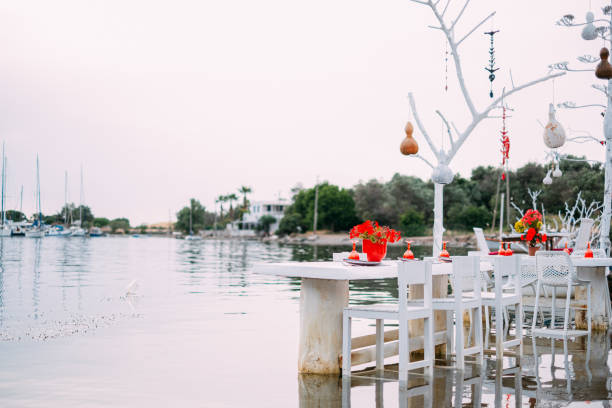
588 59
562 66
417 119
474 29
448 129
420 2
435 28
512 79
418 156
600 88
459 15
572 105
567 20
445 8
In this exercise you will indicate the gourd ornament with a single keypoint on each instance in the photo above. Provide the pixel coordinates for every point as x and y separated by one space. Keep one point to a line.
588 32
409 145
604 69
554 134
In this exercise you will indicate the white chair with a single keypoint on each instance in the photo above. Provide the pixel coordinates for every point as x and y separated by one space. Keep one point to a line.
555 269
505 294
467 286
481 241
409 273
584 234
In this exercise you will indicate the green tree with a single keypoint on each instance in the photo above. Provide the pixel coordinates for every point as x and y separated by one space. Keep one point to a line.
120 223
15 215
101 222
289 224
244 190
198 216
265 223
412 223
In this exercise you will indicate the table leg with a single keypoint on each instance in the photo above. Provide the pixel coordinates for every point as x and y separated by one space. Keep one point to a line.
321 304
599 297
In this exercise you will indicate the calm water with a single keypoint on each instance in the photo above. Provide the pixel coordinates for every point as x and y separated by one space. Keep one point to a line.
203 331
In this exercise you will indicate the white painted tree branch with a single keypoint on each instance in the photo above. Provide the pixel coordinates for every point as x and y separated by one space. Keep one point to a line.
459 15
475 28
448 129
417 119
445 8
418 156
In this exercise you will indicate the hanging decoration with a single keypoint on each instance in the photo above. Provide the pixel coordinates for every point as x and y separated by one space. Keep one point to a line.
446 65
554 134
547 180
491 68
604 69
442 174
505 141
409 145
589 32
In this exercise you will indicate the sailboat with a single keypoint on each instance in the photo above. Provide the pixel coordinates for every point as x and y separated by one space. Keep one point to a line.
5 230
37 230
192 237
78 230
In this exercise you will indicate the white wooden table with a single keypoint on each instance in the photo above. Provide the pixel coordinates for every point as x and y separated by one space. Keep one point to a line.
323 296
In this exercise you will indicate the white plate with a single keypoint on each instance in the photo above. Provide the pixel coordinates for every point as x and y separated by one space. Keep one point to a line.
407 260
360 262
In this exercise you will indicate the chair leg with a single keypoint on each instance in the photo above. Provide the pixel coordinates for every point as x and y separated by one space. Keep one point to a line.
589 312
404 352
449 333
535 309
459 346
478 330
567 307
554 308
487 327
499 330
346 344
428 338
380 344
519 327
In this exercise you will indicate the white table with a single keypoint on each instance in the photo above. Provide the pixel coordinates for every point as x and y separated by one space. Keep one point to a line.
323 296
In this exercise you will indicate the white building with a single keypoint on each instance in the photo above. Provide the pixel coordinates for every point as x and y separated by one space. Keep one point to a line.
257 209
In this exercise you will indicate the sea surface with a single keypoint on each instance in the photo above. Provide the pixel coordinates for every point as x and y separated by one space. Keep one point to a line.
152 321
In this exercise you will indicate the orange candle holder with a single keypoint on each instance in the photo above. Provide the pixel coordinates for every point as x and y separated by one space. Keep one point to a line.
444 253
502 250
566 249
589 252
354 254
408 254
509 251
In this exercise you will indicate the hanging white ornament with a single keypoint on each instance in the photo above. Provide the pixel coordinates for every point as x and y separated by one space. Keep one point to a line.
588 32
547 179
554 134
557 172
442 174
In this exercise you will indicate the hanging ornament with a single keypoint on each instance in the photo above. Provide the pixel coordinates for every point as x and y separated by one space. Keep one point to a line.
604 69
554 134
547 180
491 68
557 172
505 141
588 32
445 65
409 145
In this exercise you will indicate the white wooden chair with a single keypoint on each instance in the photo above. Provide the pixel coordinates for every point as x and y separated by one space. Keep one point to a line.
555 269
467 285
409 273
506 292
584 234
481 241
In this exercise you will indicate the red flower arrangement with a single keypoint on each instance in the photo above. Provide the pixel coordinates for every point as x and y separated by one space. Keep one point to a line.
531 223
374 232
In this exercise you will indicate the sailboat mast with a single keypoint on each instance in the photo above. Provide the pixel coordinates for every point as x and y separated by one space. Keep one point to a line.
66 197
21 200
81 201
3 182
190 218
38 192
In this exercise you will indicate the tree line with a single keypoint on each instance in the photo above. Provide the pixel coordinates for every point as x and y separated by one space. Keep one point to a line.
406 202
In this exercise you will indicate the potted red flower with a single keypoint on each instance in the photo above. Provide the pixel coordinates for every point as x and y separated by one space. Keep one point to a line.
374 239
530 224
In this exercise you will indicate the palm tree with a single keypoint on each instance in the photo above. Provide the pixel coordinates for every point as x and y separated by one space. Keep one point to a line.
244 190
231 198
221 199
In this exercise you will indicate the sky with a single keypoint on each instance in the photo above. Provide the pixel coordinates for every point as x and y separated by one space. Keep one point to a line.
160 101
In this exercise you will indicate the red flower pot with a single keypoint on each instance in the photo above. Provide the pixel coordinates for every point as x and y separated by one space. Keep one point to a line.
533 250
375 251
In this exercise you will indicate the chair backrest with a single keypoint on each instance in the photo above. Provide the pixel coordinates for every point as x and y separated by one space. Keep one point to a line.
341 256
584 233
554 267
481 241
528 270
507 267
466 276
414 273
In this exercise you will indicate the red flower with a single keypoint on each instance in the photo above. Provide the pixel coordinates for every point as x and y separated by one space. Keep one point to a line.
544 238
530 234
